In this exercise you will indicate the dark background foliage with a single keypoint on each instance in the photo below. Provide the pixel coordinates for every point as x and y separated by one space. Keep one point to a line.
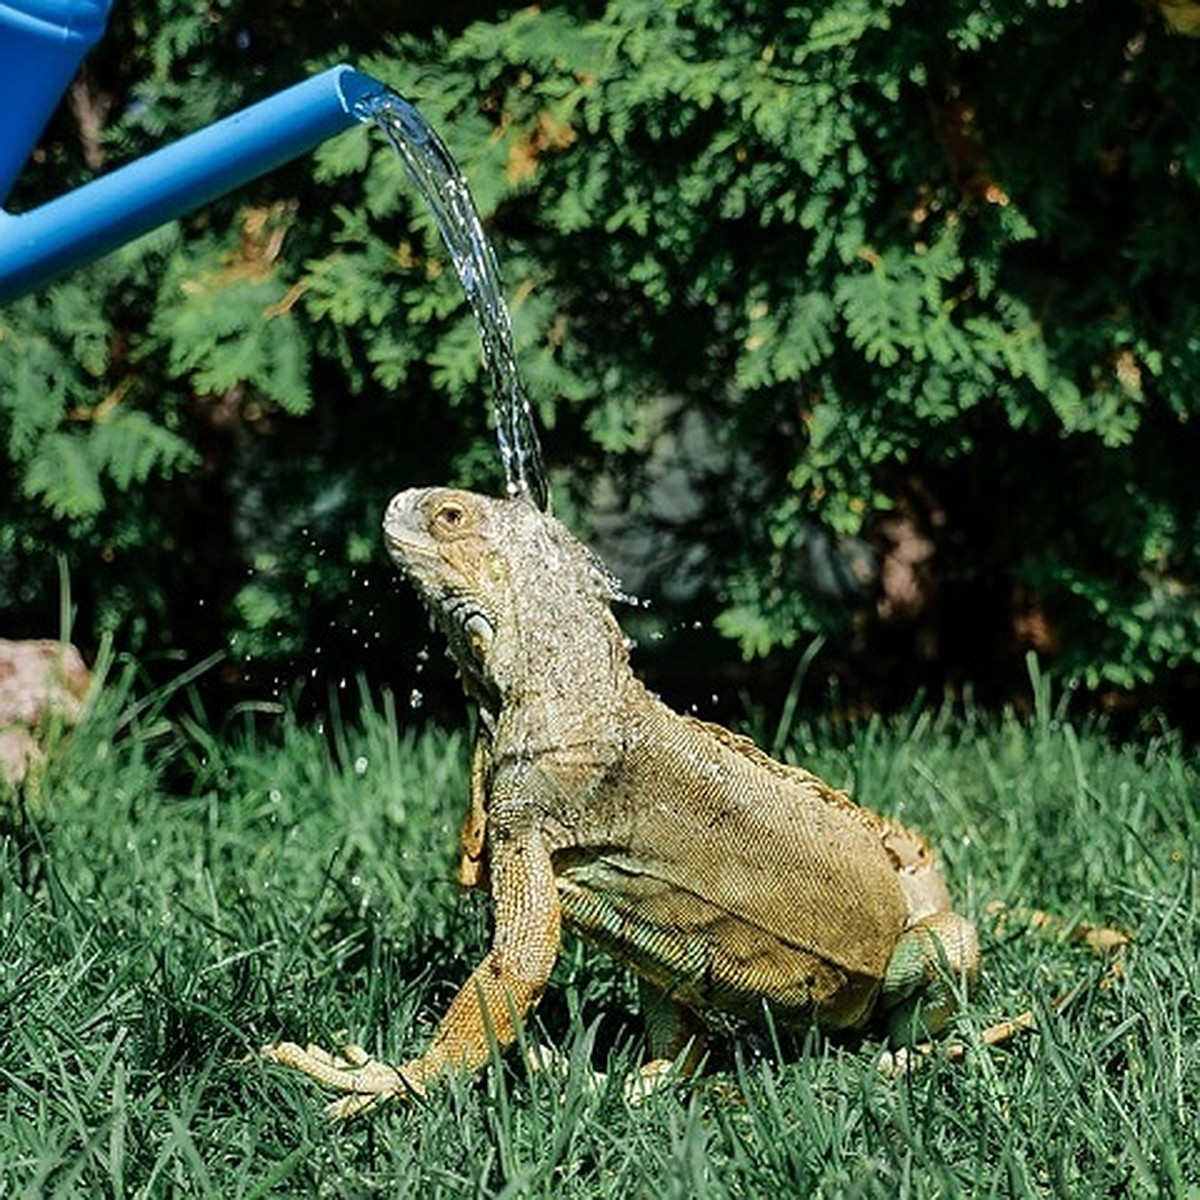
872 323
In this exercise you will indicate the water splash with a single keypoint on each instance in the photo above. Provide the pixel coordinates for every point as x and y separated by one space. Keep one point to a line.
444 189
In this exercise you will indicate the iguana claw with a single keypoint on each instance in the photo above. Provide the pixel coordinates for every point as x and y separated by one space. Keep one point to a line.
367 1082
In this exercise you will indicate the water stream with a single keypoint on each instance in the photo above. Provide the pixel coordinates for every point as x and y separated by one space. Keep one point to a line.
444 189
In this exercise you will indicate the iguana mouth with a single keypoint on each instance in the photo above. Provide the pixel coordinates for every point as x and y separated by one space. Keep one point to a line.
405 542
404 516
452 603
411 547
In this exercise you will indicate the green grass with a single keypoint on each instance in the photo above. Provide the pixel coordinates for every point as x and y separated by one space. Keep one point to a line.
177 895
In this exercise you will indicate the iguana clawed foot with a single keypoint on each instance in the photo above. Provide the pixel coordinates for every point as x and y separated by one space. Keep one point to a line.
367 1082
902 1059
638 1086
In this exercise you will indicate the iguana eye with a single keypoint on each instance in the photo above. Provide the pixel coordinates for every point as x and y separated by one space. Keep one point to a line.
450 514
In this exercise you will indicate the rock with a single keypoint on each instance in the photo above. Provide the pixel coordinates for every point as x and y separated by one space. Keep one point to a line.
42 683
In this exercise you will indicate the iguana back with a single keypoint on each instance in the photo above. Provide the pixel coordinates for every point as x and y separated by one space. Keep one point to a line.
730 879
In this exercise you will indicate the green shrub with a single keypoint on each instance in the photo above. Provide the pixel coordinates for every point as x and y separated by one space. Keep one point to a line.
873 321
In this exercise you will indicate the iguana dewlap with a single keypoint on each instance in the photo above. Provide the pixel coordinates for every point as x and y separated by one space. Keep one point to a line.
729 882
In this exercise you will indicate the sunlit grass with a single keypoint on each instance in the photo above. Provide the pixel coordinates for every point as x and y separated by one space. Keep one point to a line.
180 894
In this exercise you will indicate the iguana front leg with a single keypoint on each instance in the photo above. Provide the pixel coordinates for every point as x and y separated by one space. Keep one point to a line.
472 869
675 1041
497 996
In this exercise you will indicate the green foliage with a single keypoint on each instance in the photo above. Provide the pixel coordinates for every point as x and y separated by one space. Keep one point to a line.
185 895
915 279
67 437
228 337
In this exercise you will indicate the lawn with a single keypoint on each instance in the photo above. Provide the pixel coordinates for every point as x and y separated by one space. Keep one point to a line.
177 894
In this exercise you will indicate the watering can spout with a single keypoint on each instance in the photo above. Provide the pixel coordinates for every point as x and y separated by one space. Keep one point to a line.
38 246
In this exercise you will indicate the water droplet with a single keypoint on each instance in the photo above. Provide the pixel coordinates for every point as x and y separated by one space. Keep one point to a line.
360 765
416 698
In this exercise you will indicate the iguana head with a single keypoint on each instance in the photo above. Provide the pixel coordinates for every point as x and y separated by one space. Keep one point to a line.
523 604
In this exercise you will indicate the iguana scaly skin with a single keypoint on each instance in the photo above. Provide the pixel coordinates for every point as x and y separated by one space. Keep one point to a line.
729 882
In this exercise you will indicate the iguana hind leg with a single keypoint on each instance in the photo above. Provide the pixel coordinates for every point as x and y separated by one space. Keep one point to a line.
933 963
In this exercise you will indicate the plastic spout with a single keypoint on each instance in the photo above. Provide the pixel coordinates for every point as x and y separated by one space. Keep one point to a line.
38 246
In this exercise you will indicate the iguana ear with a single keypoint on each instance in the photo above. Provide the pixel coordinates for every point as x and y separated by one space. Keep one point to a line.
480 636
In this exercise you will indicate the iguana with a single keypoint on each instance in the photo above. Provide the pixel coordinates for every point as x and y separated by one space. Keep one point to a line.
729 882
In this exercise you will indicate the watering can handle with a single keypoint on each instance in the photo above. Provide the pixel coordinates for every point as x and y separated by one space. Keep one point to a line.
42 43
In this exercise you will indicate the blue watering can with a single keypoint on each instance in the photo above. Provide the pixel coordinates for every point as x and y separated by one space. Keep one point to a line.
42 43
